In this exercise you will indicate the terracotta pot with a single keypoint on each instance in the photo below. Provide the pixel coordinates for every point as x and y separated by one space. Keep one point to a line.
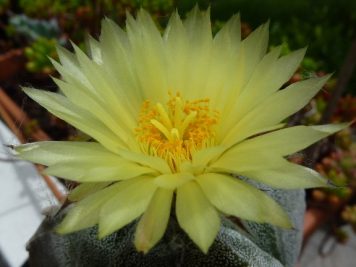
318 215
11 63
313 219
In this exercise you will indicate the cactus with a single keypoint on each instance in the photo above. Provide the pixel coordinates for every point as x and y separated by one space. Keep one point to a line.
261 245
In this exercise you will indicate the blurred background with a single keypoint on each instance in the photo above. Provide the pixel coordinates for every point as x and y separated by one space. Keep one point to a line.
31 29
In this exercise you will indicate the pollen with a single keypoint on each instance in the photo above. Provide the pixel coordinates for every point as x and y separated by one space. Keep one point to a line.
175 130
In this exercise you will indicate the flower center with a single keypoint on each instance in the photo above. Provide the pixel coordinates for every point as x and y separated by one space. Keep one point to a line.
175 130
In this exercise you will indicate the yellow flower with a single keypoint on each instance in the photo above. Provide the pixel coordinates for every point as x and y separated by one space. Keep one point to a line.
182 114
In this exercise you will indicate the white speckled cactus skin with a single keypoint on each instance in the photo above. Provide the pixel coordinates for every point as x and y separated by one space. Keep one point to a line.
263 245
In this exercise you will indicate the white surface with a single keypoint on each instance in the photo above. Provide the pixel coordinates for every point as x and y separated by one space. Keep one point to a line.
23 196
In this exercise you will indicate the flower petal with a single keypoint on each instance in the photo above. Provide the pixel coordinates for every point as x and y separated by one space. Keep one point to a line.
196 215
177 51
234 161
96 107
86 212
70 70
94 50
97 172
275 108
53 152
198 26
154 221
114 100
235 197
270 74
85 189
279 142
288 176
155 163
81 161
81 119
87 92
221 79
174 180
115 48
251 50
202 158
148 56
230 34
127 205
200 40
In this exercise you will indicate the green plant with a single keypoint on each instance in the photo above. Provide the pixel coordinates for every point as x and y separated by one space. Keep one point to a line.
37 54
33 28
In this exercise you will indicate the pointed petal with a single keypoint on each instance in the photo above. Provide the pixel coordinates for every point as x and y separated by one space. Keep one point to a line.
270 74
234 161
154 221
93 105
197 25
53 152
249 92
255 47
116 54
70 69
148 56
115 100
251 51
260 76
81 161
85 189
127 205
230 33
288 176
196 215
80 82
96 108
91 171
275 108
94 50
235 197
200 41
65 110
177 51
86 212
224 57
279 142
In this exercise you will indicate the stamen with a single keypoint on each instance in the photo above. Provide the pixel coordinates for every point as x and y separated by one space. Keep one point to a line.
178 129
